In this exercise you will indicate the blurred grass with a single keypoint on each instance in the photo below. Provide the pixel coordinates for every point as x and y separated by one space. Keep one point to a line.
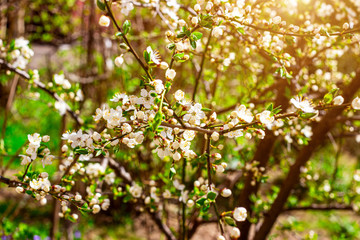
27 117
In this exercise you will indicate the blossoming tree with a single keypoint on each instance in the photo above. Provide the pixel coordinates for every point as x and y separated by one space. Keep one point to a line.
238 95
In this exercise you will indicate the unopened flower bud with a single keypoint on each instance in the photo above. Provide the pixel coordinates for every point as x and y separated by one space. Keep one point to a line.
226 192
215 136
197 7
164 65
46 138
194 20
119 61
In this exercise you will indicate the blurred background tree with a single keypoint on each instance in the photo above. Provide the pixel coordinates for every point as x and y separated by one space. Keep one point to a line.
66 37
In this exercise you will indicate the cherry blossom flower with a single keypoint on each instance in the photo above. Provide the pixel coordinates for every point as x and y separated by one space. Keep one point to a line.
240 214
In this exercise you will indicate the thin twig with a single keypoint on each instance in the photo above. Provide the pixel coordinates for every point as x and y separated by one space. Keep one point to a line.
208 160
219 218
71 165
131 49
183 203
201 66
26 170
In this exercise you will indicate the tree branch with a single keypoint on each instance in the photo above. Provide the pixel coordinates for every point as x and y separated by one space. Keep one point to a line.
163 227
42 86
201 66
321 207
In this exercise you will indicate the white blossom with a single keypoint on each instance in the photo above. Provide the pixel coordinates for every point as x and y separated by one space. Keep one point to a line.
240 214
355 104
338 100
135 191
119 61
302 104
170 74
234 232
104 21
266 118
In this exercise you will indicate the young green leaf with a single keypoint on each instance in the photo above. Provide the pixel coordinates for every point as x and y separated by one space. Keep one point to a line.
100 5
126 27
211 196
230 221
196 35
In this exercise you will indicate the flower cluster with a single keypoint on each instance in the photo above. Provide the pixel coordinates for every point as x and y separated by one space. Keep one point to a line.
18 52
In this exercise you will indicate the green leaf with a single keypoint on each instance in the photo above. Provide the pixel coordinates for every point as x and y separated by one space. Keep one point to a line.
206 20
98 153
119 34
41 148
179 56
307 115
192 43
230 221
71 218
100 5
211 196
206 109
288 75
206 206
123 46
146 56
281 71
196 35
270 107
28 192
181 35
276 110
328 98
157 120
126 27
200 201
172 173
334 91
171 46
12 45
241 30
81 151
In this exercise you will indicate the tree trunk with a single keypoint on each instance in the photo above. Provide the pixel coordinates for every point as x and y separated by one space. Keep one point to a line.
319 136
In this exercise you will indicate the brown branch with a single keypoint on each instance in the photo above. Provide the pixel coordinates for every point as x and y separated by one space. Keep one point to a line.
321 207
163 227
71 165
201 66
120 171
131 49
11 183
8 105
208 160
42 86
197 223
